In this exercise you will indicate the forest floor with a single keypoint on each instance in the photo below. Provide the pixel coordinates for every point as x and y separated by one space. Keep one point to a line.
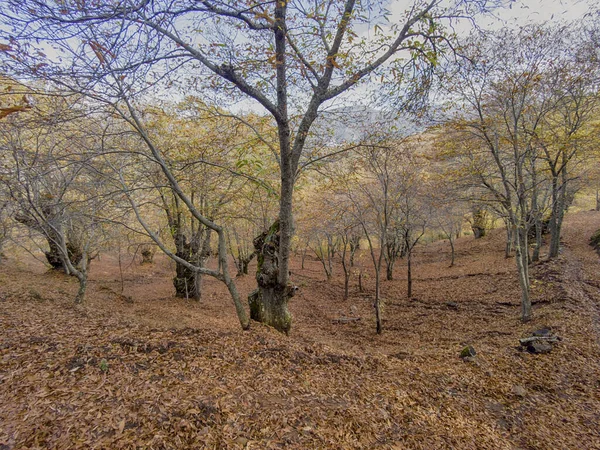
164 373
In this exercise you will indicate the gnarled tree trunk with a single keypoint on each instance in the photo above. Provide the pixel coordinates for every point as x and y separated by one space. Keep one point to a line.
188 283
269 302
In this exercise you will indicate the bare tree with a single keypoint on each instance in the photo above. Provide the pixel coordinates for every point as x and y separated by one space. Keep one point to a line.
493 86
52 185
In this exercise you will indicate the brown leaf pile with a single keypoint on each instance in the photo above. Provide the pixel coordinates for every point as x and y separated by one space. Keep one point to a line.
170 374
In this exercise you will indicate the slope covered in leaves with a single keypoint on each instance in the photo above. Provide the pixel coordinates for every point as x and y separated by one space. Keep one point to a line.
165 373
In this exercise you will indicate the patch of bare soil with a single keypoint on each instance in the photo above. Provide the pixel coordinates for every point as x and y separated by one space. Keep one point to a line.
136 368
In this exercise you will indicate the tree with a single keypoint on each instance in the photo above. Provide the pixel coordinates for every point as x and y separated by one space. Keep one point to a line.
348 234
528 100
5 225
140 192
495 88
314 53
413 204
565 132
368 185
50 182
448 207
200 147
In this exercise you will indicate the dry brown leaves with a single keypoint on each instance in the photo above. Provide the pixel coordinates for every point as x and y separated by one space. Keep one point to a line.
165 373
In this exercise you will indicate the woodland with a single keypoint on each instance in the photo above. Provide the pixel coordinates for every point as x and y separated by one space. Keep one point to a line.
329 224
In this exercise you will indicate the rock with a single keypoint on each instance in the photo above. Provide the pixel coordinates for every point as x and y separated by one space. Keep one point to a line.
354 310
452 305
468 352
540 341
519 391
539 347
542 332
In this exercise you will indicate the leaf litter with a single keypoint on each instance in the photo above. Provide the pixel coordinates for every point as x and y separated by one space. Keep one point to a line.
163 373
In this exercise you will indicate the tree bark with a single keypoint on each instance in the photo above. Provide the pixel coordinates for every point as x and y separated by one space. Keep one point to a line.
377 304
538 240
347 270
523 272
185 278
409 273
53 256
346 285
509 240
268 303
354 242
187 282
389 269
82 289
559 194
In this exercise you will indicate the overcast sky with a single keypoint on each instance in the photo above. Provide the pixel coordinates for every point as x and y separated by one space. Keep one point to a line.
524 11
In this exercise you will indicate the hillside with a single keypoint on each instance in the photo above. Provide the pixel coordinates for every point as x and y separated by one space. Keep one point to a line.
165 373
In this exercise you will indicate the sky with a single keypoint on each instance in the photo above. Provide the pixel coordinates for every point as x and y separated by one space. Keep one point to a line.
526 11
519 12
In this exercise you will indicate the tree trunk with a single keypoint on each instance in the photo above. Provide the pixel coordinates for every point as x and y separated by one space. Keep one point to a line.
82 289
538 240
523 272
53 256
479 225
389 269
597 199
147 255
557 205
535 215
245 264
347 271
202 257
268 303
346 285
360 285
354 246
325 262
377 303
184 281
509 241
451 250
187 282
409 273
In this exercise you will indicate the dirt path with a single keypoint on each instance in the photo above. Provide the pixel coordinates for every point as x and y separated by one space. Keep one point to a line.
583 270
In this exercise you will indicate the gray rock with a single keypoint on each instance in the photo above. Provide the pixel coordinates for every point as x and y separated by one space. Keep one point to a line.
543 332
539 347
519 391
